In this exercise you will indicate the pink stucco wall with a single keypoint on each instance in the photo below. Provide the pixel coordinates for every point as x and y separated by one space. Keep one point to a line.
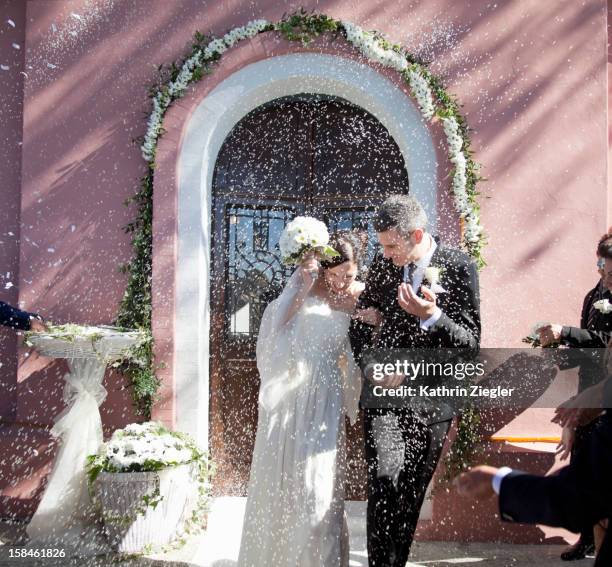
532 77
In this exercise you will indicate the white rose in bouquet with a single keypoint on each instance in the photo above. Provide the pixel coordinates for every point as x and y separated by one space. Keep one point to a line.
302 235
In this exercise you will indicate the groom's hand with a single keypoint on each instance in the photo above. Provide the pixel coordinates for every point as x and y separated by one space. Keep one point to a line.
391 381
386 381
411 303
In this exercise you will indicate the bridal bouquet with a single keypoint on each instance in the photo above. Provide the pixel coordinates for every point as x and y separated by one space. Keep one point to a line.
302 235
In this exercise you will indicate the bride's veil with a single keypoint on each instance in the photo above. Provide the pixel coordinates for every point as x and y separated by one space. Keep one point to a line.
275 349
281 368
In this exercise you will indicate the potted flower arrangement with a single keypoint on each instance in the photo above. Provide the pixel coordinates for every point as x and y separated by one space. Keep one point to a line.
151 486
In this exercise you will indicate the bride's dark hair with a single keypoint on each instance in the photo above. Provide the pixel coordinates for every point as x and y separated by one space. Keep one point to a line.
350 244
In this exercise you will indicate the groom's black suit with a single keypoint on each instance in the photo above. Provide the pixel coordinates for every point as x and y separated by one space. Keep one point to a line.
403 446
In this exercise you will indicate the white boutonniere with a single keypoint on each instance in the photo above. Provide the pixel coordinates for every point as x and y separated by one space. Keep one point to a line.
432 276
603 306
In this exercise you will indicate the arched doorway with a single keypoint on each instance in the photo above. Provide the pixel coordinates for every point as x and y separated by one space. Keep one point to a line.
183 216
305 154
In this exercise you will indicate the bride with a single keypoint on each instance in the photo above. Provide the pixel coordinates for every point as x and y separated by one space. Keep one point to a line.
309 382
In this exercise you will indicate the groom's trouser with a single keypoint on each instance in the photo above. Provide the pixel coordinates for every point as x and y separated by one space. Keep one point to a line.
581 443
402 453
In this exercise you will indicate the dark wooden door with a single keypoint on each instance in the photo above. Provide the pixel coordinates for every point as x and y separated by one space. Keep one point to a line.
309 155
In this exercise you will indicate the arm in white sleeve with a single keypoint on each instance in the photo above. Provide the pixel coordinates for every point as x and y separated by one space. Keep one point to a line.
499 476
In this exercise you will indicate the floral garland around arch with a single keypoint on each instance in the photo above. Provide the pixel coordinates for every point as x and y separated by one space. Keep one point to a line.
432 99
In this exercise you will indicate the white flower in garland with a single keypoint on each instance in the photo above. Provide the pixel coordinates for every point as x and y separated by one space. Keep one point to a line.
154 125
256 26
371 47
177 87
217 46
452 132
473 230
185 76
245 32
232 37
422 92
459 184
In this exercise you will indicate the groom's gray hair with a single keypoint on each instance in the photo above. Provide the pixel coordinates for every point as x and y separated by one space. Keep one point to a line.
404 213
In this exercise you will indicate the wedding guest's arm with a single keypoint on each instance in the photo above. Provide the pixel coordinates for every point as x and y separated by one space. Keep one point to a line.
583 338
576 337
584 407
556 500
21 320
564 499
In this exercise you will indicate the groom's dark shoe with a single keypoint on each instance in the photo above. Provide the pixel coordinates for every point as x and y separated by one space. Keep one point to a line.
578 551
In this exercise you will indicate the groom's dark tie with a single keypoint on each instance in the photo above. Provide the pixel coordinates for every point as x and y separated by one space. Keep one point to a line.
409 272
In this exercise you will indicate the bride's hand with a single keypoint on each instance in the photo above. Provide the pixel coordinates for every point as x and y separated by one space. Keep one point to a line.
310 269
370 316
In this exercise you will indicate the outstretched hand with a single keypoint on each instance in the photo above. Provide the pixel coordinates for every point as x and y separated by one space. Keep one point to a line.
37 325
575 416
410 302
549 334
476 483
582 408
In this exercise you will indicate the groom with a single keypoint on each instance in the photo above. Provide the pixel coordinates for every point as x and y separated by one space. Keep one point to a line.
403 445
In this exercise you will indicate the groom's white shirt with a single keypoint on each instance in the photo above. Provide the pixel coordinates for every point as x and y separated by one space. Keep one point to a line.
417 280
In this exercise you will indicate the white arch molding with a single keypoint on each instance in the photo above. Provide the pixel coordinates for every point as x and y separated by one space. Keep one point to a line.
208 126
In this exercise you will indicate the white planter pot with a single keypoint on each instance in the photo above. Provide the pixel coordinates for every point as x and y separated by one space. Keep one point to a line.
120 496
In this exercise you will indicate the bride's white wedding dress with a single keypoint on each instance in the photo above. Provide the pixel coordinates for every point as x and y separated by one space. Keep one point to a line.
309 382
